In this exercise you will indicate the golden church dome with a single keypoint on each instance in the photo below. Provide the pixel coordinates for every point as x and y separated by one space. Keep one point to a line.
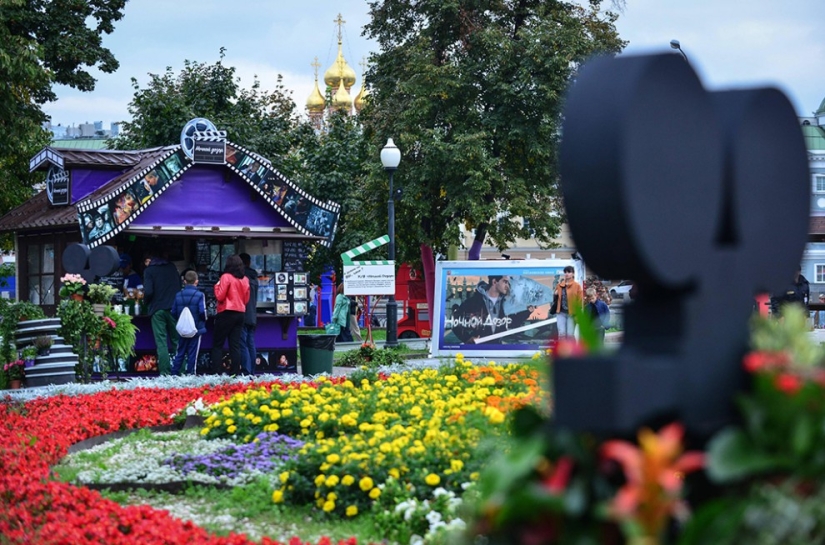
339 71
341 100
316 102
359 100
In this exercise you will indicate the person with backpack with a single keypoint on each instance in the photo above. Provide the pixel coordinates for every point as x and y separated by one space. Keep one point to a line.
189 311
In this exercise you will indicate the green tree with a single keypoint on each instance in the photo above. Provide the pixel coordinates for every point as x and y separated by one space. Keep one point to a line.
472 91
331 165
265 122
42 43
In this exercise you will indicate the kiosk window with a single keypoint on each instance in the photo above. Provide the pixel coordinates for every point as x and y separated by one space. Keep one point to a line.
40 264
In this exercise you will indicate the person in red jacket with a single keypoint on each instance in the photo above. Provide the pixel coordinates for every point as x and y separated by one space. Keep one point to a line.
232 293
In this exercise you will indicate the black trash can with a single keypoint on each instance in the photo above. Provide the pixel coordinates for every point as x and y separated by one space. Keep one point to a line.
316 353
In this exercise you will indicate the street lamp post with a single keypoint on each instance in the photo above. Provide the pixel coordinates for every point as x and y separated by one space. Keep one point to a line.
390 158
676 45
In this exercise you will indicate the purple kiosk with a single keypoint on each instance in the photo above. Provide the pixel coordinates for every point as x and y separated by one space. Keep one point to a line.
197 203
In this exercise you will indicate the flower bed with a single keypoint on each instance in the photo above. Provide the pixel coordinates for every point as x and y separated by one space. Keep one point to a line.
35 435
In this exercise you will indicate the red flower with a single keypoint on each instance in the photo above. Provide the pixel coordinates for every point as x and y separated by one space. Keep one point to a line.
557 481
788 383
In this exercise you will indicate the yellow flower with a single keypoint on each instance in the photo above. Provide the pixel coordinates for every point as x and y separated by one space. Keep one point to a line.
332 496
278 496
332 480
394 473
231 429
432 479
347 480
374 493
456 465
366 484
204 431
333 458
328 506
320 479
284 476
352 510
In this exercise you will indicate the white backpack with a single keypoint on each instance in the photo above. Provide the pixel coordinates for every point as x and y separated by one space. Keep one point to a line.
186 323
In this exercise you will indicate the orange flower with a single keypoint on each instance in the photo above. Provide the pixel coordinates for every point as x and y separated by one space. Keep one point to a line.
654 473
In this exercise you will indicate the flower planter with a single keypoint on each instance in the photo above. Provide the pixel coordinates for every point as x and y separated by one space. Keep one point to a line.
16 384
98 308
77 296
28 363
44 352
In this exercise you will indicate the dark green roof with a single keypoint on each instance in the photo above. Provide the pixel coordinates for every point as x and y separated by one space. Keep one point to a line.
80 143
821 109
814 137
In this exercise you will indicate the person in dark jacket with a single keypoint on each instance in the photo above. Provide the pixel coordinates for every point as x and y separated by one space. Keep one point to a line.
598 311
161 282
189 297
250 320
232 294
798 292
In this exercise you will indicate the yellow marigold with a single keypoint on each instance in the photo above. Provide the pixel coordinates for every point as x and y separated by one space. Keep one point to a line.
352 510
332 496
229 422
347 480
366 484
278 496
394 473
204 431
284 476
231 429
328 506
333 458
456 465
374 493
432 479
332 480
320 479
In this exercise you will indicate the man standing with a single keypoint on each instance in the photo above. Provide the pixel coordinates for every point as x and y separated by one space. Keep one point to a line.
482 314
250 320
354 310
161 283
798 292
568 296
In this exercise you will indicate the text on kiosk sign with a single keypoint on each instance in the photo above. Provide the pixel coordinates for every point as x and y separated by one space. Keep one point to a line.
369 279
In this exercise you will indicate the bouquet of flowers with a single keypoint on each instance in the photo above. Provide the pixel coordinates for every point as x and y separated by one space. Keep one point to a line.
72 284
15 370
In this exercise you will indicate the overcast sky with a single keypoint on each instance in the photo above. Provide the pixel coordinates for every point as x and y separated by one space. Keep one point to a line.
731 43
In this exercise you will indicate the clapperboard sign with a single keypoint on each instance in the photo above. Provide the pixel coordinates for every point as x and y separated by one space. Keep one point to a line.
368 277
210 147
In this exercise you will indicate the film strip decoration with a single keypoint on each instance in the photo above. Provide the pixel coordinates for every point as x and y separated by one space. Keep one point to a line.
347 256
310 216
101 219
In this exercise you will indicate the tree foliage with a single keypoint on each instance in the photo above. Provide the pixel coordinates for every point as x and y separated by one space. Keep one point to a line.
472 91
265 122
42 43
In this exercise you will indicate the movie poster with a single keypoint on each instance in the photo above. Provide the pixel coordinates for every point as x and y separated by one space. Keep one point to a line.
494 308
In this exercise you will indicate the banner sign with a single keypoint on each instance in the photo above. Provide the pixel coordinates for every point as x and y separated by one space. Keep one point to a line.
309 215
485 308
104 218
368 277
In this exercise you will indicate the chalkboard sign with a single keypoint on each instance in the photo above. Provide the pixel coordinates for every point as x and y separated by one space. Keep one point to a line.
202 252
206 284
116 281
294 255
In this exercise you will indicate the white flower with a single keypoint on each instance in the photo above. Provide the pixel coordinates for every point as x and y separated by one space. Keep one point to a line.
433 517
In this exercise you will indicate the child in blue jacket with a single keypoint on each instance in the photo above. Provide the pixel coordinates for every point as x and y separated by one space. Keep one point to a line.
192 298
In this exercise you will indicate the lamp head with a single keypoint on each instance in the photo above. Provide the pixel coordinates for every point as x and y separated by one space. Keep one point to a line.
675 44
390 155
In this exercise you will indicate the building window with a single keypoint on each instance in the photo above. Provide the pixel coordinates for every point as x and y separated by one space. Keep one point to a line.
820 273
40 267
819 183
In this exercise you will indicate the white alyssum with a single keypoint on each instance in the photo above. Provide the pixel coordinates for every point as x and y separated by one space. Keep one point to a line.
128 460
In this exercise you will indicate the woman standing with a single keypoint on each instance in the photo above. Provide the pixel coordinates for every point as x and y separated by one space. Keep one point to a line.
232 293
340 315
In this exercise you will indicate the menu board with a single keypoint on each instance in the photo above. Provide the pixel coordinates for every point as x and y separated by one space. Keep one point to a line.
202 256
294 255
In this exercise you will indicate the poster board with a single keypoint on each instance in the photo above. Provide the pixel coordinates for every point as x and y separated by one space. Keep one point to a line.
459 326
